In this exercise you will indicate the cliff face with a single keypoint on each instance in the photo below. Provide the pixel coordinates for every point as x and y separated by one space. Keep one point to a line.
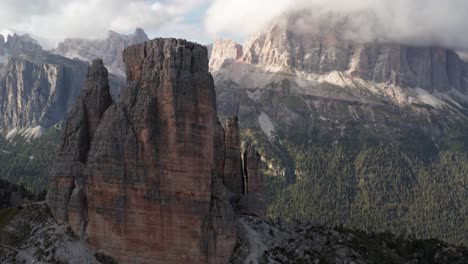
36 94
24 44
73 152
303 84
282 47
142 179
430 68
109 49
37 88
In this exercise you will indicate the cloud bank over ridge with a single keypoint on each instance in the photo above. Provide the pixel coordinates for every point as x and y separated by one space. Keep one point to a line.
419 22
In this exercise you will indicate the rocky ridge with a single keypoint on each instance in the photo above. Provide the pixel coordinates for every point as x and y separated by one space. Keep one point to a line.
128 171
109 49
328 57
304 96
285 46
429 68
17 45
305 84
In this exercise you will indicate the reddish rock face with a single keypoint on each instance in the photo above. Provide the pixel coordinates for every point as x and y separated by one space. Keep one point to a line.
150 189
233 176
80 126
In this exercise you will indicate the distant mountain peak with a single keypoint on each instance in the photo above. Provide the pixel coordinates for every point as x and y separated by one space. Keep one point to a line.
292 45
109 49
224 52
20 44
139 32
37 87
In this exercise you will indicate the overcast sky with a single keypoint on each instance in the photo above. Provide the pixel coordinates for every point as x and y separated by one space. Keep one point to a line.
422 22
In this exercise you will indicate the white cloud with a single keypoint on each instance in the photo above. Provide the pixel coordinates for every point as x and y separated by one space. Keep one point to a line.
57 19
242 17
425 22
422 22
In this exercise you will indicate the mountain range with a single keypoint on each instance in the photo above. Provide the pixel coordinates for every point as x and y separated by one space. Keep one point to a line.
153 177
369 135
109 49
368 130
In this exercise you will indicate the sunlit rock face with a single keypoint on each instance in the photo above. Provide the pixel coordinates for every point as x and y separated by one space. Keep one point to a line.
309 84
224 52
283 46
141 182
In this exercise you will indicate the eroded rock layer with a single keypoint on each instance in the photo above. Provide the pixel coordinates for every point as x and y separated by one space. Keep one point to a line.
143 182
223 53
282 46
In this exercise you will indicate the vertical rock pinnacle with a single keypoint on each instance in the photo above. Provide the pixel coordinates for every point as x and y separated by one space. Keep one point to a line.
143 181
233 177
65 196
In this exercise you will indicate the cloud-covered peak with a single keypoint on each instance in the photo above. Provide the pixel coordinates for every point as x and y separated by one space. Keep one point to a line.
419 22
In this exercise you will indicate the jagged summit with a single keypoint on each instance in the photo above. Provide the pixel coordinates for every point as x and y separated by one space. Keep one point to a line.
295 42
20 44
138 34
370 72
109 49
309 84
224 52
431 68
95 97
